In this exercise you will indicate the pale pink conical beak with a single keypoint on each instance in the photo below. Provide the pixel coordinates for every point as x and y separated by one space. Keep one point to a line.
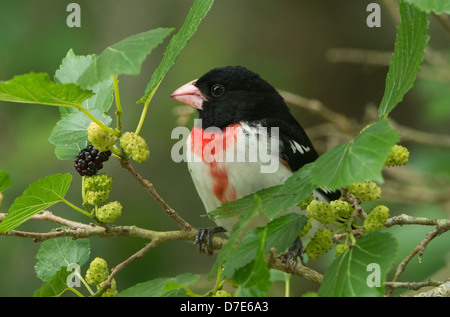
190 95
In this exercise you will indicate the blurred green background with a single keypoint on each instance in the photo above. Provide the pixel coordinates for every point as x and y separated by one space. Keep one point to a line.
285 41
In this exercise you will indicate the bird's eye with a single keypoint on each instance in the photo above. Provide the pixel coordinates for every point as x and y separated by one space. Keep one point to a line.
217 90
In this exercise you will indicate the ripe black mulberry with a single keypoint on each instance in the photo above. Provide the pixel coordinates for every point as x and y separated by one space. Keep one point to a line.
90 160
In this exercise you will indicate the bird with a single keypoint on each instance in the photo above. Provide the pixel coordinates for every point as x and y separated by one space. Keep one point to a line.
241 115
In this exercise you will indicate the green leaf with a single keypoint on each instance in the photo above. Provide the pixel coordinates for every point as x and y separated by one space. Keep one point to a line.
254 278
239 228
163 286
5 182
412 39
198 11
124 57
37 88
358 160
71 68
243 205
295 189
355 272
56 286
55 254
70 133
40 195
281 233
436 6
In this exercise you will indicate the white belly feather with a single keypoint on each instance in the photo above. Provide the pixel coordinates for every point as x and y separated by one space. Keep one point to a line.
218 182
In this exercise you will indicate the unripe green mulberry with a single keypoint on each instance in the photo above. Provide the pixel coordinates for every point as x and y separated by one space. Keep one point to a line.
342 208
97 188
102 140
399 155
320 209
98 272
306 227
319 244
97 182
367 191
97 197
109 212
134 146
222 293
376 218
304 204
340 248
112 291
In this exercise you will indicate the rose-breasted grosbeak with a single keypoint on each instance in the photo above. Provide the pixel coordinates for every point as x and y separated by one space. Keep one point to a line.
242 117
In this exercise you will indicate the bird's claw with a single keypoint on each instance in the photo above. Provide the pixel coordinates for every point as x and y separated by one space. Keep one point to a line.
295 251
206 235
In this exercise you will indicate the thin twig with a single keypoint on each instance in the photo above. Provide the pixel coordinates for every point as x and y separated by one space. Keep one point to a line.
318 108
442 227
154 243
152 191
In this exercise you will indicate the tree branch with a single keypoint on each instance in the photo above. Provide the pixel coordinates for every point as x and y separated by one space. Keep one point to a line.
441 291
413 285
294 268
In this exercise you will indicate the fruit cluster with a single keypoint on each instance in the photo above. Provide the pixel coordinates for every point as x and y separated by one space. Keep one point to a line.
376 218
399 155
90 160
97 273
101 139
342 208
340 248
327 212
97 188
98 182
320 243
367 191
134 146
109 212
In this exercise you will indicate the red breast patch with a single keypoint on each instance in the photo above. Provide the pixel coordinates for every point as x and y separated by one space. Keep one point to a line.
211 145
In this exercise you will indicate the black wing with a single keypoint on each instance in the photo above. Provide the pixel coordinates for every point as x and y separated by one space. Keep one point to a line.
296 149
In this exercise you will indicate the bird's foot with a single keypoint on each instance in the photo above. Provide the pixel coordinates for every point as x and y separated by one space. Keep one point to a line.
206 235
295 251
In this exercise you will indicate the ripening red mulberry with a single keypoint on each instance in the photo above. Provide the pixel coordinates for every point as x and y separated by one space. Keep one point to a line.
89 161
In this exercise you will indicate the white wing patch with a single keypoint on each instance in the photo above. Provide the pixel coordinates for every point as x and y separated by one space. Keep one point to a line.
300 148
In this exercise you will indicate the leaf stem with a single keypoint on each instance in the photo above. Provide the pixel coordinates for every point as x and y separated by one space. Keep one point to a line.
83 192
85 283
118 105
101 124
287 282
76 208
75 291
144 111
218 282
190 293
